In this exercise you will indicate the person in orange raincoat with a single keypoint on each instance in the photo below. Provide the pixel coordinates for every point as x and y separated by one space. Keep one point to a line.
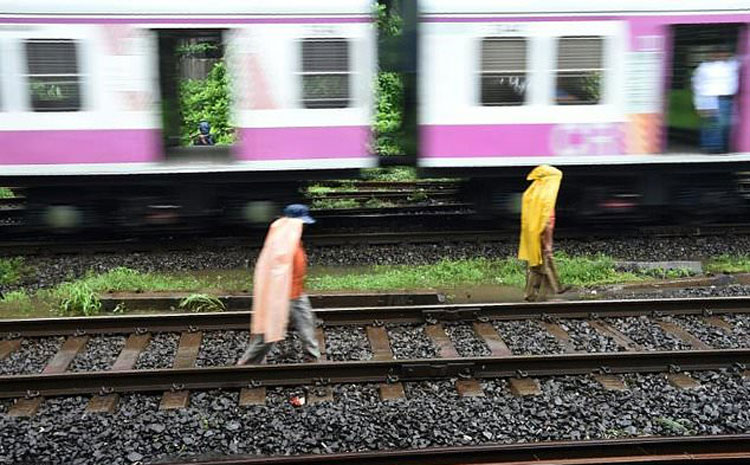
278 289
537 226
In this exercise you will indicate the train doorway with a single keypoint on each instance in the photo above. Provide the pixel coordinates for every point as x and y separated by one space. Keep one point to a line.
194 94
691 46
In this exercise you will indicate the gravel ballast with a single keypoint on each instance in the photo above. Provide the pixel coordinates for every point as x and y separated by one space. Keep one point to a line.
526 337
410 341
587 339
99 353
642 330
160 352
466 341
32 356
221 348
432 416
347 343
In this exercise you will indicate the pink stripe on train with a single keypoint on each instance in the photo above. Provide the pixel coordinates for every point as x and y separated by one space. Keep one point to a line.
95 146
522 140
303 142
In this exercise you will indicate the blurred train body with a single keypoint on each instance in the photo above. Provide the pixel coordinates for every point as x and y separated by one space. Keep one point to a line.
89 126
599 89
88 106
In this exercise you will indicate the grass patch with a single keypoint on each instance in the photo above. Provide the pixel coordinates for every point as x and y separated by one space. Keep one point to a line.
6 193
577 271
77 299
123 279
202 303
728 264
377 203
317 189
330 204
11 270
390 174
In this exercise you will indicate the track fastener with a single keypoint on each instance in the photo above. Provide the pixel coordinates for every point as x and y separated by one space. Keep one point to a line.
431 320
740 367
593 316
254 384
141 330
483 319
465 374
177 387
79 332
106 390
522 374
707 312
603 370
657 314
674 368
391 378
31 394
377 323
192 329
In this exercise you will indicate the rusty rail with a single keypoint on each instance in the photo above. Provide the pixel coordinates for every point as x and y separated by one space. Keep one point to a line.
381 371
725 449
125 324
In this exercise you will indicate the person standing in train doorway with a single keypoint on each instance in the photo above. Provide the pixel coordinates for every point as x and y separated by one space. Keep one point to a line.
278 289
715 83
537 226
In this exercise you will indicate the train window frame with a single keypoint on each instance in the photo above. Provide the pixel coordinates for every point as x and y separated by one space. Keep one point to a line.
326 102
483 72
573 71
76 78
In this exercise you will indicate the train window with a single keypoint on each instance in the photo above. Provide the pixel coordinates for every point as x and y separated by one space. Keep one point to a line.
580 70
503 72
54 78
325 73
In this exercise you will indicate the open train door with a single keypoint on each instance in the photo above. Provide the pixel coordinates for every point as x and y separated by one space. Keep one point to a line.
692 44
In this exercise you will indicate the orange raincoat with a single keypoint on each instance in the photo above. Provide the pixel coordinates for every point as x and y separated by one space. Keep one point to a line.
273 279
538 206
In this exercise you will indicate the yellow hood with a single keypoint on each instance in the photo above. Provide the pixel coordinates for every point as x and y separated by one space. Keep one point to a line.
537 207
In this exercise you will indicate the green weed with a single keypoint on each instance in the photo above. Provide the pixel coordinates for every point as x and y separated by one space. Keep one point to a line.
77 299
11 270
202 303
318 190
377 203
728 264
123 279
331 204
681 426
6 193
418 196
391 174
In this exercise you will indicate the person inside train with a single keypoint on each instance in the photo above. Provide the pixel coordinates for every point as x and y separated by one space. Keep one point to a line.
715 83
278 289
204 136
537 226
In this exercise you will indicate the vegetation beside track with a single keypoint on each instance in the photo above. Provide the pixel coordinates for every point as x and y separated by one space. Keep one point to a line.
80 296
6 193
728 264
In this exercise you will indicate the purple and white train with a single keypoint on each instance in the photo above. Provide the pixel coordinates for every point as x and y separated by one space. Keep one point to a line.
600 89
81 101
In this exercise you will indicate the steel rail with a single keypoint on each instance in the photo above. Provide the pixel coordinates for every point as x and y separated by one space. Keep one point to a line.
724 449
375 315
371 372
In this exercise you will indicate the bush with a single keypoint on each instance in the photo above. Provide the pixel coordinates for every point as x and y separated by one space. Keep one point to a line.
202 303
6 193
207 100
78 299
11 270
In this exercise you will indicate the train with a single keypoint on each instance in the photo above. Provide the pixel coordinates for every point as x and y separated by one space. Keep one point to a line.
89 127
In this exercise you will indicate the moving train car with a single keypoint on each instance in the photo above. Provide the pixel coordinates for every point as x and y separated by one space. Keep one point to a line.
601 89
90 125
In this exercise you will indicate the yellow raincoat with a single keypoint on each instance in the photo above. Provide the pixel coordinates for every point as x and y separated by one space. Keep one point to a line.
538 205
273 279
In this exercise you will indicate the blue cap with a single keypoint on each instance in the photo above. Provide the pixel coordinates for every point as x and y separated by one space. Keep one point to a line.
299 211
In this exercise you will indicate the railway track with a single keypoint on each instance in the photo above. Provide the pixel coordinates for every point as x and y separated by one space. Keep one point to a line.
729 449
384 366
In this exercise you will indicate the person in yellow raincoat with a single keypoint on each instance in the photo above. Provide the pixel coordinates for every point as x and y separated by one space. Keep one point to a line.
537 226
278 289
